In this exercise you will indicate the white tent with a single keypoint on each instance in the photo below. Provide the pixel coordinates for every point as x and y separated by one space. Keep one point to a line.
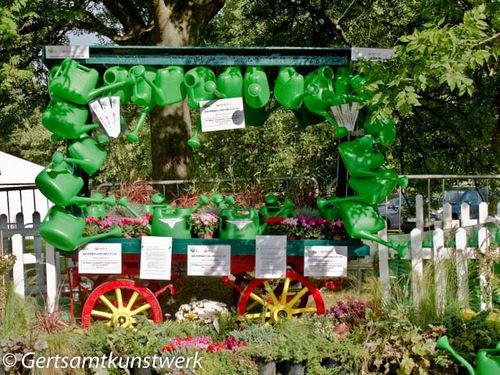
16 194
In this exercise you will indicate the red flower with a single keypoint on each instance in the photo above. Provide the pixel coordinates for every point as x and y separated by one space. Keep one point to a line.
275 220
168 348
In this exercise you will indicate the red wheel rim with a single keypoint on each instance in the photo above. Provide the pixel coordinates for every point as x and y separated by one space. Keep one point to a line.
130 299
273 307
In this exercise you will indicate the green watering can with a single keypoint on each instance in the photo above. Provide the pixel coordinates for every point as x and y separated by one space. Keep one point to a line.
272 208
58 183
239 224
98 210
200 85
289 88
66 120
221 202
77 83
374 190
230 82
327 209
342 81
87 154
158 202
359 156
117 74
306 118
488 360
256 87
383 131
170 81
65 231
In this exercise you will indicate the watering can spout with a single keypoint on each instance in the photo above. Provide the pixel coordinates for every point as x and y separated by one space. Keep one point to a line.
203 201
115 232
443 343
111 86
123 201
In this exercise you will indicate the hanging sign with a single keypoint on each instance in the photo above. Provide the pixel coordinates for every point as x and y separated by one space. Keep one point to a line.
107 111
100 258
222 114
67 52
213 260
330 261
270 257
156 258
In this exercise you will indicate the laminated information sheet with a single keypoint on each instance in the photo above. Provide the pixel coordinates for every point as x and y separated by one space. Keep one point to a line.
100 258
330 261
270 257
222 114
156 258
212 260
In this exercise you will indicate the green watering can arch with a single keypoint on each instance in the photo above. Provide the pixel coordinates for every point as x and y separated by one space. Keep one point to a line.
311 96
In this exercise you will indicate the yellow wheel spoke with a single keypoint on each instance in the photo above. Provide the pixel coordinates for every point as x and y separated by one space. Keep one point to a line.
119 298
304 310
132 300
145 307
252 306
107 303
271 292
101 314
284 294
258 315
258 299
298 296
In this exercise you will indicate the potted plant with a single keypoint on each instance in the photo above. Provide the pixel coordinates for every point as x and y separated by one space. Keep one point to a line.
205 224
311 227
335 230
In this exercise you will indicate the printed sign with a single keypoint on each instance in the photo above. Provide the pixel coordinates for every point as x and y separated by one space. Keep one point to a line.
213 260
270 257
156 258
222 114
100 258
64 52
328 261
107 111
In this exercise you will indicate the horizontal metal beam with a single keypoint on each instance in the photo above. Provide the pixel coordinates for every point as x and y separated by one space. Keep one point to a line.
208 56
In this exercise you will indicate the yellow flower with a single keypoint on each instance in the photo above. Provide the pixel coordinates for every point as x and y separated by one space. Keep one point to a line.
467 314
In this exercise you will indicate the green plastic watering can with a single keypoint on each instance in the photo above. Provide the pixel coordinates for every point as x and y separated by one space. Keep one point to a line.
306 118
342 81
224 202
117 74
327 209
360 157
65 231
158 202
58 183
488 360
289 89
256 87
230 82
200 85
273 208
170 81
87 154
239 224
98 210
374 190
66 120
383 131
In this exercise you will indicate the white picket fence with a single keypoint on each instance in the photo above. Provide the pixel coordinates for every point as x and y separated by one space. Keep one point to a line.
439 253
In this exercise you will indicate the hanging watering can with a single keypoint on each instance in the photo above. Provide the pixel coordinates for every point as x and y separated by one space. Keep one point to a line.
117 74
230 82
158 202
170 81
239 224
272 208
488 360
256 87
200 85
98 210
58 183
221 202
327 209
359 157
383 131
342 81
65 231
374 190
289 88
74 82
173 221
306 118
66 120
87 154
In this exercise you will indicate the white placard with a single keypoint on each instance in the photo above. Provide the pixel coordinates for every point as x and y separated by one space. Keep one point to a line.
156 258
100 258
328 261
64 52
358 53
112 127
212 260
222 114
270 257
115 107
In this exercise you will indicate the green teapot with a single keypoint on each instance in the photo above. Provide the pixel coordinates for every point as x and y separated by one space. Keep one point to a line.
289 88
66 120
65 231
87 154
58 183
98 210
170 80
488 360
273 208
239 224
230 82
200 85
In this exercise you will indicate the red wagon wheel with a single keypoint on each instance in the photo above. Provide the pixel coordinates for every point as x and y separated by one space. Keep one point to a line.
274 300
117 302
